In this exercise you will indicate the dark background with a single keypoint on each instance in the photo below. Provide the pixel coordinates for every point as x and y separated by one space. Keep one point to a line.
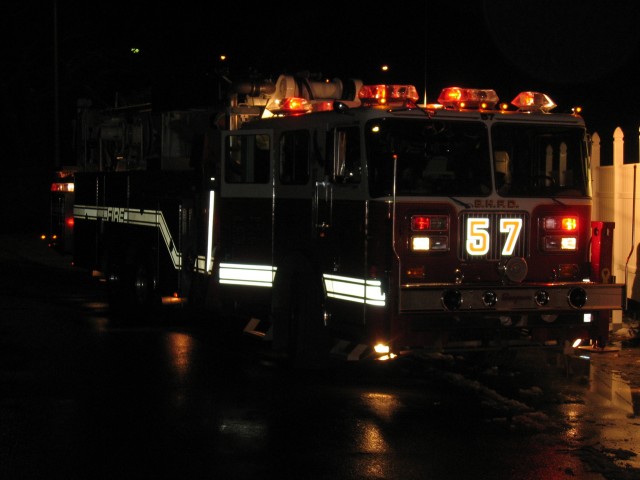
581 53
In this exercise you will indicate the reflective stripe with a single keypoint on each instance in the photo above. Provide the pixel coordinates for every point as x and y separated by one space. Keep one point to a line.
200 264
243 274
209 264
132 216
354 289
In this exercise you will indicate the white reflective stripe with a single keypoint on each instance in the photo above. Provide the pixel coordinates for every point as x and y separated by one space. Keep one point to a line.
210 233
243 274
132 216
200 264
354 289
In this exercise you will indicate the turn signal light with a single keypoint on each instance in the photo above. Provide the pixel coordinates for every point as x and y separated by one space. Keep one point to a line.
560 223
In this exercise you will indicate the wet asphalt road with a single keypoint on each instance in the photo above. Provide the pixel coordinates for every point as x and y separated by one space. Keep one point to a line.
81 398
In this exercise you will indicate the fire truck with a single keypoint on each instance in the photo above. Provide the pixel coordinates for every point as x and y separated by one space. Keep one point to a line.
60 235
334 217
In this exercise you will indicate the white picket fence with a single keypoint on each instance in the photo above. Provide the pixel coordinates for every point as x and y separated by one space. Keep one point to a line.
614 200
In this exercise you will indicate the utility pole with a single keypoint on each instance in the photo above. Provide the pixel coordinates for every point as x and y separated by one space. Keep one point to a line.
56 93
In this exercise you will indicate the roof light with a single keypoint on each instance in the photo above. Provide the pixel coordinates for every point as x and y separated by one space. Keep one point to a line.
456 97
62 187
297 106
533 102
294 105
285 97
388 94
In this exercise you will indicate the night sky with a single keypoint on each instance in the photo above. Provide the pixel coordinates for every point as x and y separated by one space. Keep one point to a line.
579 52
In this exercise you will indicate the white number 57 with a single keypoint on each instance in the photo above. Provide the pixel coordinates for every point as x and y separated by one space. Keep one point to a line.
478 237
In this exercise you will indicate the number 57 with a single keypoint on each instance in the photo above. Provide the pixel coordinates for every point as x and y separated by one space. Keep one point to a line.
478 238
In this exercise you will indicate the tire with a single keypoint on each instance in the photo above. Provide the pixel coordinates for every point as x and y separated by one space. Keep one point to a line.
143 286
116 296
132 291
298 327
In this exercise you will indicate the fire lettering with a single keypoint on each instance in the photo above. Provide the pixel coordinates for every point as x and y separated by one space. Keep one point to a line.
114 214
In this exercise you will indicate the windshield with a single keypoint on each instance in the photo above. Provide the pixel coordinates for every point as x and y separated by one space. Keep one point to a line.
451 158
435 157
540 160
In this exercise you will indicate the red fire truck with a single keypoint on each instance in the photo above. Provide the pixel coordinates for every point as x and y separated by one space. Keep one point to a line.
336 216
60 234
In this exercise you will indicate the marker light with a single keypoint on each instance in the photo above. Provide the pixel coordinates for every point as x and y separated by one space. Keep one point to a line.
62 187
533 102
388 94
456 97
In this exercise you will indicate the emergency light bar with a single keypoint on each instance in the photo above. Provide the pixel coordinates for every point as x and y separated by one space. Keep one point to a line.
298 105
388 94
458 98
533 102
62 187
295 95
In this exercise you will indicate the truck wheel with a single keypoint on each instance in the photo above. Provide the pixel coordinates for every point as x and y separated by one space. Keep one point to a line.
298 327
143 285
116 295
132 291
142 289
311 335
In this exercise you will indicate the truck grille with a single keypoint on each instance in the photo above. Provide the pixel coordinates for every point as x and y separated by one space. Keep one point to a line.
497 239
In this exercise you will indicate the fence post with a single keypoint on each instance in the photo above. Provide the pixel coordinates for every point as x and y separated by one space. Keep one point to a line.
619 213
595 176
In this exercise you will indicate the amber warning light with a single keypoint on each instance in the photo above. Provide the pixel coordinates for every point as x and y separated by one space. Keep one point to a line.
533 102
388 94
62 187
456 98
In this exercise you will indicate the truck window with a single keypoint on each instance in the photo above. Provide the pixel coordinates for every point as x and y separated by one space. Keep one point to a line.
294 158
247 159
434 158
540 160
345 150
